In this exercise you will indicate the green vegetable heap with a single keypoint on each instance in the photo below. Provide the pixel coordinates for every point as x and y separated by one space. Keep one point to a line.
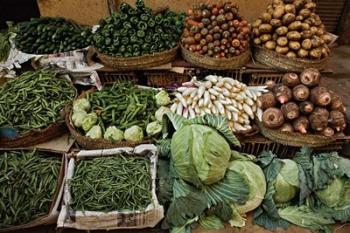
112 183
121 111
137 31
47 35
34 100
28 181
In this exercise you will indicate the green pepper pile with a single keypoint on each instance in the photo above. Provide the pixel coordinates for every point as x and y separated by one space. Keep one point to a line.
136 31
34 100
111 183
28 181
47 35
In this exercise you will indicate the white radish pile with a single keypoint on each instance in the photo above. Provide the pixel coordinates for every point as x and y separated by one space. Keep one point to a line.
219 96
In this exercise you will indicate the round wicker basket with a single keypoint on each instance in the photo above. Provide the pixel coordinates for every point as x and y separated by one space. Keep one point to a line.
215 63
138 63
281 62
295 139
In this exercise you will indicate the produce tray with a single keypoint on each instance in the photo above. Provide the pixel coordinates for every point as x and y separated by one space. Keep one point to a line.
118 219
214 63
138 63
159 78
111 77
281 62
52 215
261 78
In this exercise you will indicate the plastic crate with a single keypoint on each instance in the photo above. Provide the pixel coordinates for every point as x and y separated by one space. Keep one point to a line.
111 77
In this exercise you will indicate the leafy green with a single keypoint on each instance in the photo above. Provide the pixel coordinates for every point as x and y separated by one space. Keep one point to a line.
210 222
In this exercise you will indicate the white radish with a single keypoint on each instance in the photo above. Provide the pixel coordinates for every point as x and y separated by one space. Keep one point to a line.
212 78
228 114
214 92
232 108
259 114
201 91
179 109
239 106
188 84
192 114
229 81
181 99
228 86
225 101
234 116
189 91
219 84
197 110
194 93
249 101
189 101
173 107
185 113
248 110
206 98
226 92
220 107
201 103
182 89
207 84
207 111
235 90
218 89
238 127
212 97
214 110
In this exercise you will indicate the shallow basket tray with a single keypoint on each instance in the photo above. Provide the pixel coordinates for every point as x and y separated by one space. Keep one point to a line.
216 63
281 62
138 63
295 139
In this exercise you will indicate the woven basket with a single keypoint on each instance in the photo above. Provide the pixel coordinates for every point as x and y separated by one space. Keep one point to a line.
281 62
295 139
215 63
140 62
93 144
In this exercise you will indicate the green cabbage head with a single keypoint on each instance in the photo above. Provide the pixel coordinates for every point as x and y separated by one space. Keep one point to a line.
81 104
89 121
78 117
255 178
287 182
113 134
153 128
200 154
162 98
336 194
95 132
133 134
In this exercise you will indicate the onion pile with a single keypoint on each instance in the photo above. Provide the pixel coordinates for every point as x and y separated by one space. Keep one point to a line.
299 104
216 30
219 96
292 28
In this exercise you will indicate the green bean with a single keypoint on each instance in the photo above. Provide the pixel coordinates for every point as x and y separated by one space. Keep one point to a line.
34 100
28 182
111 183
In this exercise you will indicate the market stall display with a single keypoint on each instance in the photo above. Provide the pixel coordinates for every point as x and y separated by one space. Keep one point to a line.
111 188
216 37
300 107
30 183
32 106
120 115
47 35
137 38
290 35
220 96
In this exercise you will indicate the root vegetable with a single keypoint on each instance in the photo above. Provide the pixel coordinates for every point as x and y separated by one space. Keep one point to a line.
291 54
278 12
266 17
293 35
265 37
267 100
273 118
301 124
294 45
328 132
290 110
288 18
276 23
316 53
282 50
295 26
290 8
283 93
281 31
270 45
265 28
320 96
337 120
301 92
290 79
310 77
306 107
336 103
287 127
319 119
282 41
270 84
306 44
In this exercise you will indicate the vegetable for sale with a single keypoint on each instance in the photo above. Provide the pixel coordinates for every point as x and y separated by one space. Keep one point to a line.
138 31
46 35
273 118
114 183
89 121
81 104
216 30
34 100
133 134
95 132
114 134
153 128
162 98
28 182
219 96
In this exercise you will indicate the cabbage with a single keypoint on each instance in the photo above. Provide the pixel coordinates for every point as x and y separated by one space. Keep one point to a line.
153 128
113 134
133 134
160 112
95 132
200 154
89 121
162 98
78 116
287 182
81 104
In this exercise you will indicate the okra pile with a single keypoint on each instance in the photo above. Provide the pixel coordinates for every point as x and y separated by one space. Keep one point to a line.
28 181
138 31
34 100
111 183
47 35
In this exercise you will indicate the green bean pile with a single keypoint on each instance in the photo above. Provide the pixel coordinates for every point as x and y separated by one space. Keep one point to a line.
34 100
28 182
124 105
111 183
